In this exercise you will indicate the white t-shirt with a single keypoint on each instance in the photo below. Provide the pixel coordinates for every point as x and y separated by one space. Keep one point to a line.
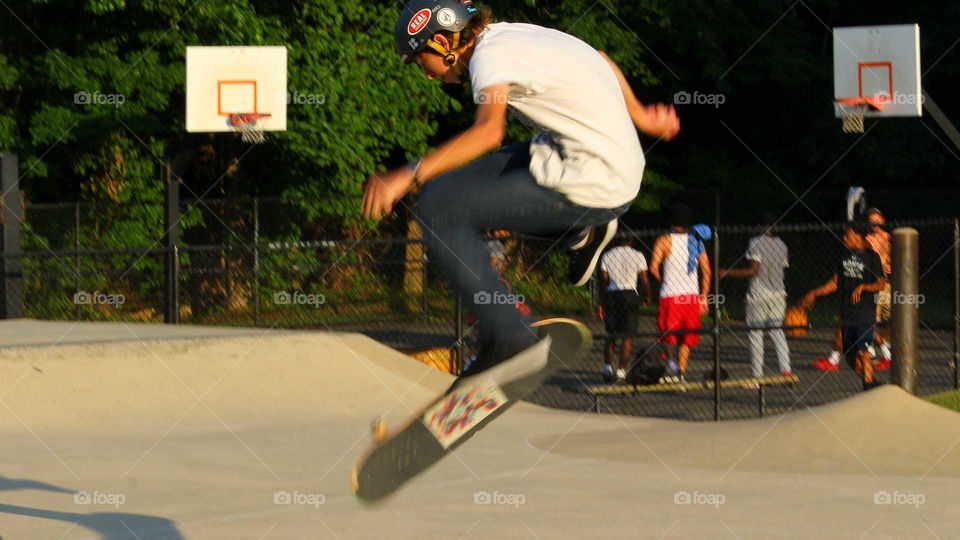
586 145
623 264
772 255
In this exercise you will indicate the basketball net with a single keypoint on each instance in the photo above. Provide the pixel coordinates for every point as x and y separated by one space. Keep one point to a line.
853 112
248 128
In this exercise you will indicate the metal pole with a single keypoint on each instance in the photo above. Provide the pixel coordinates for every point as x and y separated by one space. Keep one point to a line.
171 241
11 208
716 313
956 303
905 317
76 259
424 282
256 261
945 124
761 402
458 330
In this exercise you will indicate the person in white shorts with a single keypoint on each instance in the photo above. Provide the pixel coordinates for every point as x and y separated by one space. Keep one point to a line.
767 296
621 268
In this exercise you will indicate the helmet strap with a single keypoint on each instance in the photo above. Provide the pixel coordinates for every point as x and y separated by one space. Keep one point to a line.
449 57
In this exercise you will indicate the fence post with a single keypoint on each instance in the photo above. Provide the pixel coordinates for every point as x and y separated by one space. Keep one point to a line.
11 205
956 303
423 272
76 257
905 312
458 330
716 313
171 311
256 261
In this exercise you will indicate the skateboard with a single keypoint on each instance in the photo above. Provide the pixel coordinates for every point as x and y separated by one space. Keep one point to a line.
454 417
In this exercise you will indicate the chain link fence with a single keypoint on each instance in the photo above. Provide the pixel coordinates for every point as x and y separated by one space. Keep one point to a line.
242 263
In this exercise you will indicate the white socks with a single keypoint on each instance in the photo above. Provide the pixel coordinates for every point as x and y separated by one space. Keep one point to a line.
834 357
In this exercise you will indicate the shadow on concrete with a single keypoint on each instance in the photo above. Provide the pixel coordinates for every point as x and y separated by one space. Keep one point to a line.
109 525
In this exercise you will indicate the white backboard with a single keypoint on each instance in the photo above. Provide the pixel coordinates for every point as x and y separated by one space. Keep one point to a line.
235 80
872 61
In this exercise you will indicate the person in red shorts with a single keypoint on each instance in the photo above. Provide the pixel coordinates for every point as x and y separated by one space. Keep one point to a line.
681 265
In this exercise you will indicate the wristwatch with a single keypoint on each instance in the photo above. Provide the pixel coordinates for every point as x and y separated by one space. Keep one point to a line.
414 167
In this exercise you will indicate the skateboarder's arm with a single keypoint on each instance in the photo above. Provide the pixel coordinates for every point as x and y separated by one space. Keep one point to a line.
486 134
657 120
383 190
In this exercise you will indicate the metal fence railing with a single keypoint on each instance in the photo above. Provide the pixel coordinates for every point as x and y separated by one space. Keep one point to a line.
384 288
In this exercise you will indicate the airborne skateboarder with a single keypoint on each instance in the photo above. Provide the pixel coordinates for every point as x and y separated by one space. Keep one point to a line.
573 179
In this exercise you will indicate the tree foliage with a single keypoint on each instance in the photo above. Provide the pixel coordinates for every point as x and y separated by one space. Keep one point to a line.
770 59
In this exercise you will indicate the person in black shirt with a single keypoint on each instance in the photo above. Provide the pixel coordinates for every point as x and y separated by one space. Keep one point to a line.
858 278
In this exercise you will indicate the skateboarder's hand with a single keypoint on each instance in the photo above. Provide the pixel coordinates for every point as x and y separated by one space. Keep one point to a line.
660 121
383 190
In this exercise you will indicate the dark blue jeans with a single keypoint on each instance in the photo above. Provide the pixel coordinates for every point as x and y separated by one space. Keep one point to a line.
457 209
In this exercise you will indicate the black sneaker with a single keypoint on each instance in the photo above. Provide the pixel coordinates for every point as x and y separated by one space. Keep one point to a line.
486 362
585 253
608 376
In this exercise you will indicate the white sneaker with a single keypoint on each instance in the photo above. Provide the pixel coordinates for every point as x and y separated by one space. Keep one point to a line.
621 374
885 352
834 357
871 351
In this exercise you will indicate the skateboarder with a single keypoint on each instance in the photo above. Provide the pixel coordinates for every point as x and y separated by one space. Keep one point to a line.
572 180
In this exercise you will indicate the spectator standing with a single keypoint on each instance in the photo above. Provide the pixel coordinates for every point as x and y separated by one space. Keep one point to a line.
677 258
621 268
767 296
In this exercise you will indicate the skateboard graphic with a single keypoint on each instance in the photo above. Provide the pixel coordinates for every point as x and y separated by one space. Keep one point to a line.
458 414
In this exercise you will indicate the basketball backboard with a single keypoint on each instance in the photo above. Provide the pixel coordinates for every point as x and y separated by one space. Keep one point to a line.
236 80
879 62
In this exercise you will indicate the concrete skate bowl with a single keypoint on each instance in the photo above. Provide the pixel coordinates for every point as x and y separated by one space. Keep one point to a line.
206 434
884 431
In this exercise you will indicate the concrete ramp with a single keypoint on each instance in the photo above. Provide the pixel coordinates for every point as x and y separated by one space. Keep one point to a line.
885 431
116 431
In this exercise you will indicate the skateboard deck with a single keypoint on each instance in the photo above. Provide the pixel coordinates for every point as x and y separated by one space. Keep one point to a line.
457 415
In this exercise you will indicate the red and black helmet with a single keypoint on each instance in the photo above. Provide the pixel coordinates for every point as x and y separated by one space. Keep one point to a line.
420 20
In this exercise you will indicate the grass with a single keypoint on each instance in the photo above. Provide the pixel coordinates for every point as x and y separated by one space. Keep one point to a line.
949 399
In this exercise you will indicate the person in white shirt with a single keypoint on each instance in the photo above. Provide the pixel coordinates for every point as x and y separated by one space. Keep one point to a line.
767 296
572 180
621 268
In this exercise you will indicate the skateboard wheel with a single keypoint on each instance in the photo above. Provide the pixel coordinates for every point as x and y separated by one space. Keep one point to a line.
354 481
379 430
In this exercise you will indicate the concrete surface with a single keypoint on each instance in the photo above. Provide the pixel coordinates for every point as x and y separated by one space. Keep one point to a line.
192 433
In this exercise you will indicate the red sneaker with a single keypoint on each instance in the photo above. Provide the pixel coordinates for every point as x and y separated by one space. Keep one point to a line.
883 364
826 365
